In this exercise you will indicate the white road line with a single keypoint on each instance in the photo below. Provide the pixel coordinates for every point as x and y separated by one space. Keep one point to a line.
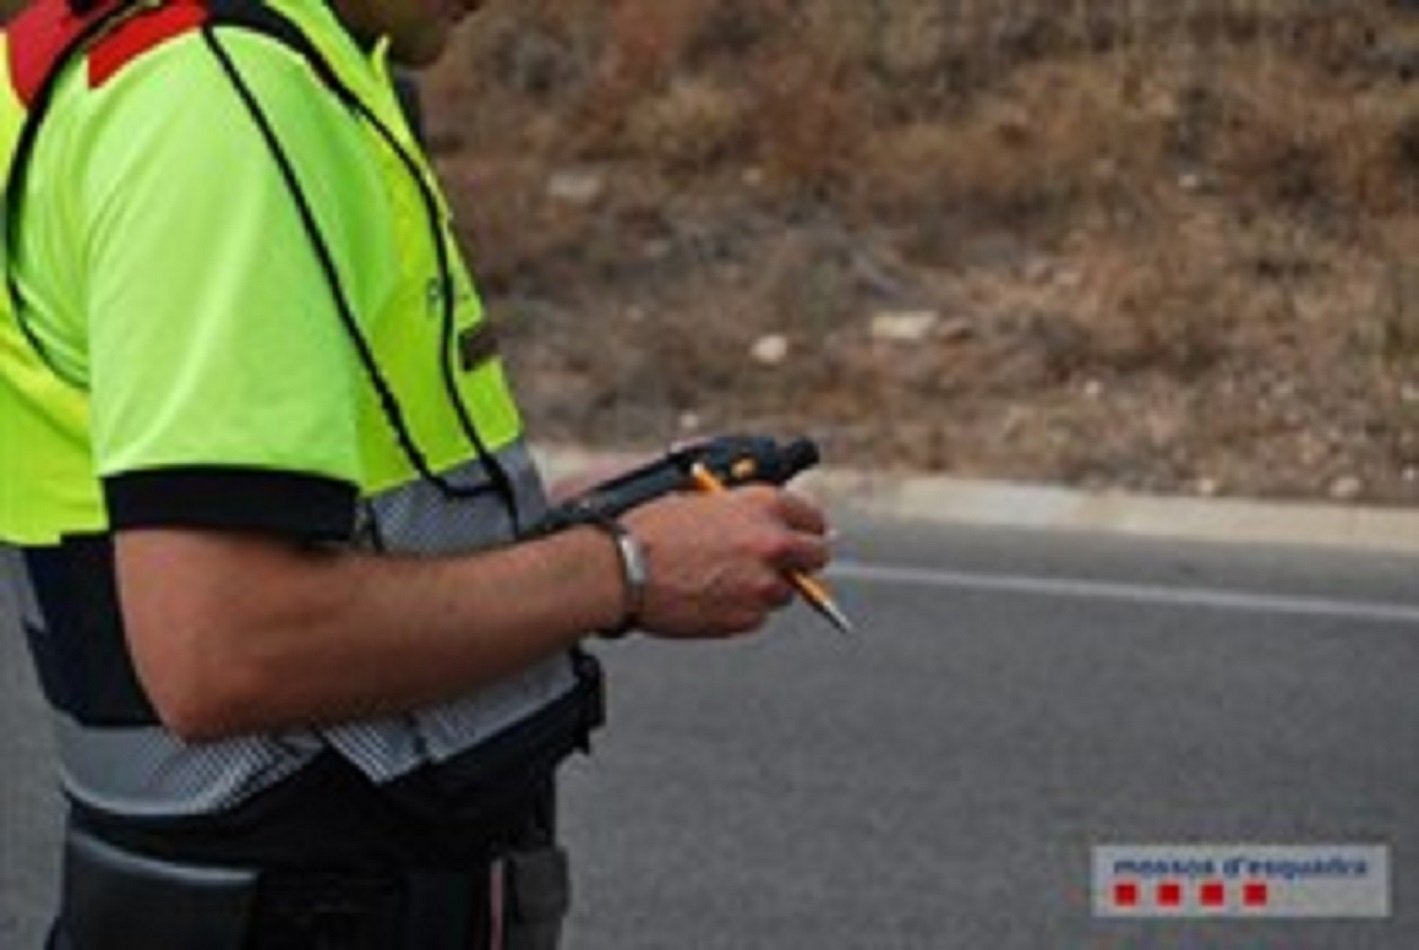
1130 593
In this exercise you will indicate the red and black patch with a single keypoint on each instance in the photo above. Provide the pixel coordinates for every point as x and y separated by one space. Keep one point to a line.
142 33
44 33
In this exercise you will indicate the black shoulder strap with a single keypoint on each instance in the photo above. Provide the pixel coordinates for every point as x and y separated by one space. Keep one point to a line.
260 17
267 20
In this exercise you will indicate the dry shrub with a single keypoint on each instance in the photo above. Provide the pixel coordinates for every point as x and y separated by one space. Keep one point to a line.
1300 138
1376 153
514 82
809 127
984 171
1149 225
646 43
839 34
1166 303
537 56
1394 328
515 237
692 125
805 281
1059 136
1270 24
915 36
649 37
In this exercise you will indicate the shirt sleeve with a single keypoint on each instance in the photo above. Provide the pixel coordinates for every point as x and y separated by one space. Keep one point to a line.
225 388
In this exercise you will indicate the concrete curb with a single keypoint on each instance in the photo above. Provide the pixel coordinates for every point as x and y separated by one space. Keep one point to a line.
947 500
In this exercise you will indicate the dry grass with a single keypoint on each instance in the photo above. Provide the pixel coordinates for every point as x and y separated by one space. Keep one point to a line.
1174 242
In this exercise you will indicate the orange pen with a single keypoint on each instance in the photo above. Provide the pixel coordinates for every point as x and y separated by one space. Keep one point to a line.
811 589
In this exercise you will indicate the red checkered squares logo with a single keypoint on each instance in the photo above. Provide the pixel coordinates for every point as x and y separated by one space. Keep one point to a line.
1126 894
1173 895
1255 894
1245 880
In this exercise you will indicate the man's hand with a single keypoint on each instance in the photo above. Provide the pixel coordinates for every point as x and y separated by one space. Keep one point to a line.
717 563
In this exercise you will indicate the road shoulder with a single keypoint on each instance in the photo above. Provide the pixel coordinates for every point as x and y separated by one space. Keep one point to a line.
948 500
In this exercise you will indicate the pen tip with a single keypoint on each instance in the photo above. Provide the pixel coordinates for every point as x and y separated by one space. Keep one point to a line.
839 619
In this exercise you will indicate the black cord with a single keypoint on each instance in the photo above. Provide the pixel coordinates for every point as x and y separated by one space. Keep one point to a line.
448 295
388 402
255 14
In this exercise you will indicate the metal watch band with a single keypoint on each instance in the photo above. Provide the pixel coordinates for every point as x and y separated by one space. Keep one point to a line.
634 574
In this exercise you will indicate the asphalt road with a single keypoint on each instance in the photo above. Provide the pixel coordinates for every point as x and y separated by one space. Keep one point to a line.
939 780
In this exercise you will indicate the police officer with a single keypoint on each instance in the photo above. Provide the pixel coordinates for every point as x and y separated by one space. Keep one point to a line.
262 478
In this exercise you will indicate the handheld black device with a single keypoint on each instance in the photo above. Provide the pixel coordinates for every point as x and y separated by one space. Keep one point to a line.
732 459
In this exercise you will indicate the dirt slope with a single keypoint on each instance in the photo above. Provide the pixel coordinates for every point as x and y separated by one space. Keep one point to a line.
1156 246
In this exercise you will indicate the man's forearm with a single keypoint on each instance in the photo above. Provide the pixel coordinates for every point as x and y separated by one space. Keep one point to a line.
235 634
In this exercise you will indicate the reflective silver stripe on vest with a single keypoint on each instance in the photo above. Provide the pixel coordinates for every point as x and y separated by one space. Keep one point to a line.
149 772
417 519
